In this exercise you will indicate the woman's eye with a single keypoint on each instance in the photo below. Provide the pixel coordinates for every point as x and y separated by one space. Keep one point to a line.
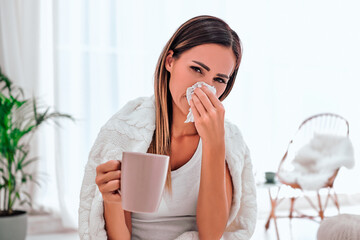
220 80
196 69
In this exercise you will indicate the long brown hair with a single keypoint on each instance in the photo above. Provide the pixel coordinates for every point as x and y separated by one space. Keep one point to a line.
196 31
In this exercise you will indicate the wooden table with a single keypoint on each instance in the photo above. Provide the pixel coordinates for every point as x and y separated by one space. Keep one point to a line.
274 202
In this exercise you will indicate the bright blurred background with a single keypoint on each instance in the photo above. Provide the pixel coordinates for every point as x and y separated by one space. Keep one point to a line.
87 58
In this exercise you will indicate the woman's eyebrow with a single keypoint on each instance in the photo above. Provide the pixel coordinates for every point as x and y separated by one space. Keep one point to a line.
208 69
203 65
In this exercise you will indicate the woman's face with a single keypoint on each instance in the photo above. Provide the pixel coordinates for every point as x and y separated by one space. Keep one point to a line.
209 63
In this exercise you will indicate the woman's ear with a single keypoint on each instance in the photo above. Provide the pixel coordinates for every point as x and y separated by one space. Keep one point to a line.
169 60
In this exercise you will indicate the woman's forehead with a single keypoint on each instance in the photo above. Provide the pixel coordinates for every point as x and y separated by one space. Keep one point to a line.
215 56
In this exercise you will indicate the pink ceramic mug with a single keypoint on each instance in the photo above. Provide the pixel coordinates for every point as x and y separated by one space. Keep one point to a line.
143 177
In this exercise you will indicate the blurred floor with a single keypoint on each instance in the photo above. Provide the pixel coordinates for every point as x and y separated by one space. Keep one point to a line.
297 229
57 236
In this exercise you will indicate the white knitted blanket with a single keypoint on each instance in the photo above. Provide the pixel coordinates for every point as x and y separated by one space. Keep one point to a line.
131 129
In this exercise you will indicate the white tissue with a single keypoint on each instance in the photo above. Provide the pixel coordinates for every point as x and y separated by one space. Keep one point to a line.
190 91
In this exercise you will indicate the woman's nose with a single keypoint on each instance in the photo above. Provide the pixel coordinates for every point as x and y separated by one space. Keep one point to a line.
207 81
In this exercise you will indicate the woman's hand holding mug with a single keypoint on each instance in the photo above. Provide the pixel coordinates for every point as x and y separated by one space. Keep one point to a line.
108 180
142 176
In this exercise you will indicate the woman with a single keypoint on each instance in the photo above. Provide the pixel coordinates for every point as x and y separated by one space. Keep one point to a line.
209 181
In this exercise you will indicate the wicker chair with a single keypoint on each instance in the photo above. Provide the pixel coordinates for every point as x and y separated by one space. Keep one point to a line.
324 123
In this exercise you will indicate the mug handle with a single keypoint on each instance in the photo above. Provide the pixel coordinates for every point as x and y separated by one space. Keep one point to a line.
119 191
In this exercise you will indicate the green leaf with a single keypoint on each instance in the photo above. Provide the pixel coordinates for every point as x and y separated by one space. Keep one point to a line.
27 162
19 165
5 180
35 110
18 118
12 184
25 201
2 161
26 194
33 180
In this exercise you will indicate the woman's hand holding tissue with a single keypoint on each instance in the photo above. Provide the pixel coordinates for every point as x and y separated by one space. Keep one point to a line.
209 116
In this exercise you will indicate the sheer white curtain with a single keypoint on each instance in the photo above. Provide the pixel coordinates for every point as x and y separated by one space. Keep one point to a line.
299 59
20 58
26 57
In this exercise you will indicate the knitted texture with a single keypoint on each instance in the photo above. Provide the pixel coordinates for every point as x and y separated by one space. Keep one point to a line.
131 129
340 227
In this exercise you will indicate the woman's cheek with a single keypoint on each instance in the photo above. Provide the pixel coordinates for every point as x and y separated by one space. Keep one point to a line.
220 91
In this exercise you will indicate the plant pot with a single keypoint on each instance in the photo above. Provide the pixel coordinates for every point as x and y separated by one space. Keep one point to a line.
14 226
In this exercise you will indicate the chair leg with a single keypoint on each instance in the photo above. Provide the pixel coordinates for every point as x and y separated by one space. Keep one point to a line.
292 201
321 210
272 215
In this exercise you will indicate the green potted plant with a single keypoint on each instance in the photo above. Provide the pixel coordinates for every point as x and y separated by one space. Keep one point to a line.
19 119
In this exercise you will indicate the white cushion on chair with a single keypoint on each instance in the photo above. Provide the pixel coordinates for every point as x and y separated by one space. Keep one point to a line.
341 227
325 151
316 161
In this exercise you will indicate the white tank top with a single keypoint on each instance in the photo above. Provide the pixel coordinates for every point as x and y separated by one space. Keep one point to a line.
177 215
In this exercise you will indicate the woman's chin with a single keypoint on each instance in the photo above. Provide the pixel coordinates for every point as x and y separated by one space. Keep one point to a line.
183 107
